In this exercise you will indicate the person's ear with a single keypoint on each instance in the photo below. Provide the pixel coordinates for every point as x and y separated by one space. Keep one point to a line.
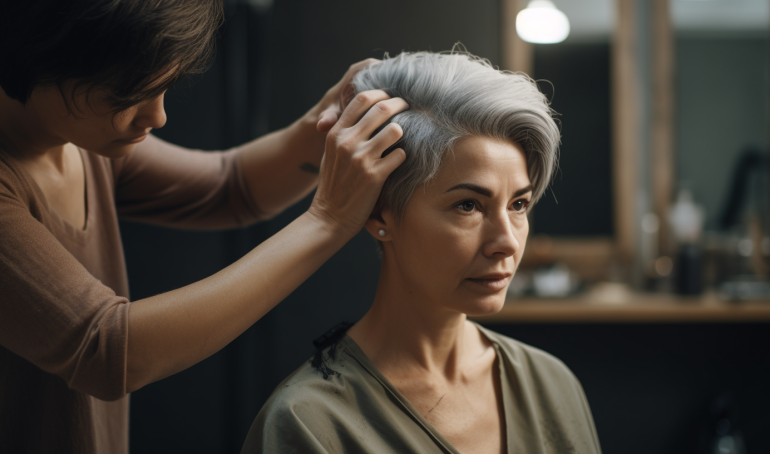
379 223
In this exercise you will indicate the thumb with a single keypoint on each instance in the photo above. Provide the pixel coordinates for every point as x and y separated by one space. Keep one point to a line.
328 119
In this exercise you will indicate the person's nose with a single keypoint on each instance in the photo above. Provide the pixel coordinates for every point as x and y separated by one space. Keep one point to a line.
502 236
151 114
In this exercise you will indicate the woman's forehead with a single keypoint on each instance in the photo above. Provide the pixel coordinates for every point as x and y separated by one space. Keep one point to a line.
484 159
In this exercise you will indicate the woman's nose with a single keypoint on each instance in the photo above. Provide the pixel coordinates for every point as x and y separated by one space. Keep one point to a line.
502 236
151 114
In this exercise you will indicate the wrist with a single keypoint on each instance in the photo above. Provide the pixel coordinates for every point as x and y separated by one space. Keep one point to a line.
310 119
344 231
303 141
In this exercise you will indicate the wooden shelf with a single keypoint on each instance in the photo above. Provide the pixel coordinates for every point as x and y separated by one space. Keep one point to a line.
637 308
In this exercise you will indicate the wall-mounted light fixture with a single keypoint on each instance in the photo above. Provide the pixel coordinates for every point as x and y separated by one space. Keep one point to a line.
542 23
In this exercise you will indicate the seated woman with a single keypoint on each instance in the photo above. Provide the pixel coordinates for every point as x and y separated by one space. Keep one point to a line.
414 375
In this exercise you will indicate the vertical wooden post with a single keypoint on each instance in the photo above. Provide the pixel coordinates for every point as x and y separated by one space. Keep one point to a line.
626 127
517 53
662 125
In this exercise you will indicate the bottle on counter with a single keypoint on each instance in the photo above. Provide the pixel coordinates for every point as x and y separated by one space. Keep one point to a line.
686 220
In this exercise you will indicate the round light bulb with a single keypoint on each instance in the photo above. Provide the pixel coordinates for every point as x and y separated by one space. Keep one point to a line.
542 23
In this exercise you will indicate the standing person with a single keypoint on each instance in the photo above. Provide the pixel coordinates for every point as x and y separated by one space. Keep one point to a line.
81 88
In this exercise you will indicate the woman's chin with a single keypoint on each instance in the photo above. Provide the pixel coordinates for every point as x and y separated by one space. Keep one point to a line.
484 306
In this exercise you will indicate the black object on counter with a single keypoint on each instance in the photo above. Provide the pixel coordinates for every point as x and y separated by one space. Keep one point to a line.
751 160
689 270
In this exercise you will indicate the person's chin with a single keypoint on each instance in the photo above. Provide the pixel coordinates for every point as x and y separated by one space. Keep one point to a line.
115 150
486 305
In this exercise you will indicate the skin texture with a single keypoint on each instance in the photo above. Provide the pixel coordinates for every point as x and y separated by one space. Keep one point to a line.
452 254
43 133
170 332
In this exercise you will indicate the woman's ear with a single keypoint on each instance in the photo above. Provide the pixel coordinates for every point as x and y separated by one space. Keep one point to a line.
378 223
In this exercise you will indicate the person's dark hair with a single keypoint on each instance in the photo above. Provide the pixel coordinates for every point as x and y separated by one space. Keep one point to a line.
133 48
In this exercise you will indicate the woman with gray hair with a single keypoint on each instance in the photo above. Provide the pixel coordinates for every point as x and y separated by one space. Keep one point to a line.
414 375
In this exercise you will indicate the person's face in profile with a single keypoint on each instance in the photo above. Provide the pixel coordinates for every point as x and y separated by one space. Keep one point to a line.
462 236
87 120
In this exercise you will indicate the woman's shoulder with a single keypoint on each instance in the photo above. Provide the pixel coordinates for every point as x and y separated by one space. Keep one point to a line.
528 357
12 180
308 410
555 394
325 380
18 192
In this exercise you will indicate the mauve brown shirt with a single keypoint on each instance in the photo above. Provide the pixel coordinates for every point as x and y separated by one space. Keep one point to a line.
64 291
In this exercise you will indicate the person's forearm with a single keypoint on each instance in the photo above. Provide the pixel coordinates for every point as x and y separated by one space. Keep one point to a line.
282 167
172 331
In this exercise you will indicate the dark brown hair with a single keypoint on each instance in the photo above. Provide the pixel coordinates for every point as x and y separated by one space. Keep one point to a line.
134 49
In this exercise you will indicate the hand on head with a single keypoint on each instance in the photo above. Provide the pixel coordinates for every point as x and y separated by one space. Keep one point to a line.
353 169
339 96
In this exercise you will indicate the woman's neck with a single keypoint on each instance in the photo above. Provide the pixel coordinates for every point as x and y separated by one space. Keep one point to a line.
22 134
403 333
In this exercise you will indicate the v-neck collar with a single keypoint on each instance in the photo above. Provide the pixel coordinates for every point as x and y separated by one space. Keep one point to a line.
355 351
78 234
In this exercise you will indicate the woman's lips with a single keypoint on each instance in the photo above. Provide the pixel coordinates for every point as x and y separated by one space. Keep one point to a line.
136 139
494 282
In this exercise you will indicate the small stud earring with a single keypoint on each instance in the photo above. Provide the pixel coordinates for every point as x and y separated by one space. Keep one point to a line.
382 232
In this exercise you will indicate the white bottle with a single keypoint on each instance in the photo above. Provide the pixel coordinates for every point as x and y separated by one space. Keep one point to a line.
686 218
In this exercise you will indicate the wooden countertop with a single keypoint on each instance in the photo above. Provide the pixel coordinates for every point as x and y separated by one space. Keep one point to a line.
632 308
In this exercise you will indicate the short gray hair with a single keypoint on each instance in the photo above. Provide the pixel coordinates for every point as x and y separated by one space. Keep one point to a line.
455 95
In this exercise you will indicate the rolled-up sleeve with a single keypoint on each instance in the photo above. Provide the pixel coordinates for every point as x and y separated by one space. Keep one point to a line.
53 312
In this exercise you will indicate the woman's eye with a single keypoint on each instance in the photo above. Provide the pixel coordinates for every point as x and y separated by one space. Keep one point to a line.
520 205
467 205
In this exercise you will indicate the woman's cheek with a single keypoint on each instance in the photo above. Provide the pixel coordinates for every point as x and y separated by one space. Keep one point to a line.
522 232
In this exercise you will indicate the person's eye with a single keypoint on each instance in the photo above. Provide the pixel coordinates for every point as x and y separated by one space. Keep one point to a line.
466 206
520 205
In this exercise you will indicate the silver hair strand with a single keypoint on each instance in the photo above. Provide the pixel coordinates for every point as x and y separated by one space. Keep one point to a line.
454 95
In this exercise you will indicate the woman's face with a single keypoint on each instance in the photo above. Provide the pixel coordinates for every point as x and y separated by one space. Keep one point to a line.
462 237
90 124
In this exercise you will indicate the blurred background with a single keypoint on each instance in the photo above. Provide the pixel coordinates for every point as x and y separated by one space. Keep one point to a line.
647 266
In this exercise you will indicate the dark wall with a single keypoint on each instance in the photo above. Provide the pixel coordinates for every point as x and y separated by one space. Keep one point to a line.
647 384
313 42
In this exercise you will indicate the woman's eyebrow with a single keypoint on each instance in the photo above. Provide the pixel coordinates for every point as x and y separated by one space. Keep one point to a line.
472 187
522 191
486 192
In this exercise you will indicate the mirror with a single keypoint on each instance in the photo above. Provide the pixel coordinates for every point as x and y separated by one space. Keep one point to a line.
575 75
721 130
573 225
721 84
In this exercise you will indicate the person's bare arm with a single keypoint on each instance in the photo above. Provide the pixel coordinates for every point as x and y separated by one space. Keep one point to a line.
172 331
282 167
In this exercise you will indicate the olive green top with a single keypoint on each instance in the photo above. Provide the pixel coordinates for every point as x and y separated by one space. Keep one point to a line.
357 410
